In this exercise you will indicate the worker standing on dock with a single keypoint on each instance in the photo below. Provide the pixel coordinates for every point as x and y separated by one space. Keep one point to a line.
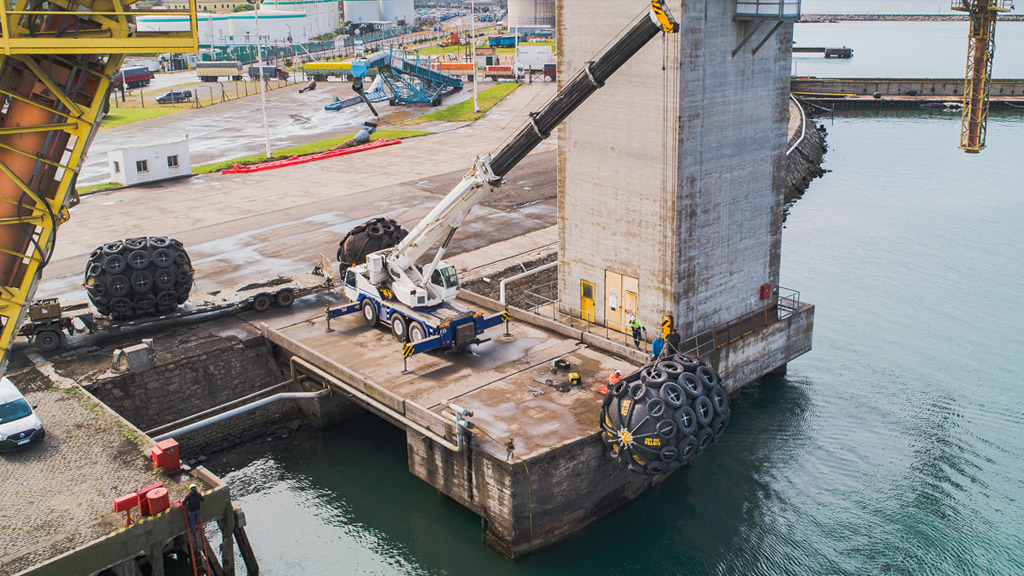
194 507
637 328
657 346
673 341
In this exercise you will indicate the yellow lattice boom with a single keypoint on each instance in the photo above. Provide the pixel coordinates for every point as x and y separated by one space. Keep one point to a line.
981 46
55 77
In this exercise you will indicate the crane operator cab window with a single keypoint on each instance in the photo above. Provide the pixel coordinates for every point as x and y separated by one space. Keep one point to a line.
350 278
446 279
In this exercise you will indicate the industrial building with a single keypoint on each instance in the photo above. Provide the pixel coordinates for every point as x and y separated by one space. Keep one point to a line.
283 21
141 164
687 192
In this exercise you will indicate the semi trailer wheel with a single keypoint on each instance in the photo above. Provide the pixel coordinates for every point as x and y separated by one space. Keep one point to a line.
47 340
138 277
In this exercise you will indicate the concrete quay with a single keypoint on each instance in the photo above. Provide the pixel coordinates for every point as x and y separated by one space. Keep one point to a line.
557 478
58 496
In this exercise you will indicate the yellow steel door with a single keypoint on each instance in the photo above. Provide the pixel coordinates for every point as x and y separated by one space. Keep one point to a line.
587 301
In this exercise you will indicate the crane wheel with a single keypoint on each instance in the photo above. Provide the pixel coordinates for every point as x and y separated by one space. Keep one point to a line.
138 277
367 238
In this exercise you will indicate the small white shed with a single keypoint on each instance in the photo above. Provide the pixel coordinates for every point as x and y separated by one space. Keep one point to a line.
149 163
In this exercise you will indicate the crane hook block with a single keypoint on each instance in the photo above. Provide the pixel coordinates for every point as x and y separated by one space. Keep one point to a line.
661 17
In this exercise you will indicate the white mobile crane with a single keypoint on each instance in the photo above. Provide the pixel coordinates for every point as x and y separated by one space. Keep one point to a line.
388 285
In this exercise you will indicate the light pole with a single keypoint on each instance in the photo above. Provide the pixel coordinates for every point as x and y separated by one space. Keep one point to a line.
472 56
259 67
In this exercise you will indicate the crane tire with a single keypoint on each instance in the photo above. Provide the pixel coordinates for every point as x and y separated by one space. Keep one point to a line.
399 327
416 332
370 315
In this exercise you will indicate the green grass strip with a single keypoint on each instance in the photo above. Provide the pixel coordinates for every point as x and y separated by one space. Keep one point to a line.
313 148
128 115
463 111
97 188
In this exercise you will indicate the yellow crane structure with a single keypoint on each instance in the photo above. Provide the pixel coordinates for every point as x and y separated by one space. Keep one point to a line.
981 46
58 58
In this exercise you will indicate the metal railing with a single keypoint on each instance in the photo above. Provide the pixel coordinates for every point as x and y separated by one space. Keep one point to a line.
699 345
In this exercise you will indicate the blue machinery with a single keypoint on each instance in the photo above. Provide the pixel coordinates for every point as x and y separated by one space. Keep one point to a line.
407 79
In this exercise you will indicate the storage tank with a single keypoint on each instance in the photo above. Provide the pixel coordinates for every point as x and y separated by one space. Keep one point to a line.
395 10
531 13
275 25
361 10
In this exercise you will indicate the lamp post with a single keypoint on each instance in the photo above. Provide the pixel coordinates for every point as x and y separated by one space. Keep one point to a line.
259 67
472 56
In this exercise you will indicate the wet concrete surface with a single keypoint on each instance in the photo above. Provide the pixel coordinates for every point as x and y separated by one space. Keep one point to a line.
245 227
235 128
496 379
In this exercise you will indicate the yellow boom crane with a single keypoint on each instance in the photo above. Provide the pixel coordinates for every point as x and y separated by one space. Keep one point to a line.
981 45
58 58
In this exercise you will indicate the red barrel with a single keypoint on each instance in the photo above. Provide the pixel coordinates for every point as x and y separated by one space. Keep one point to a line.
159 500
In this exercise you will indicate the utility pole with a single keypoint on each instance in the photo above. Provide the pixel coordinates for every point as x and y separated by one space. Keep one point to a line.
472 55
262 79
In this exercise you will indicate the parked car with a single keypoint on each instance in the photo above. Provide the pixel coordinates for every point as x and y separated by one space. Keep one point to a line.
19 425
175 96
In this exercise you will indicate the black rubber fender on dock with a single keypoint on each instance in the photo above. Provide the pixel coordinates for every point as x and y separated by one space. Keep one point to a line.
665 416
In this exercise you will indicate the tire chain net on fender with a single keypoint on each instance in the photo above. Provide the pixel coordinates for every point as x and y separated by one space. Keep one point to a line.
138 277
369 237
675 411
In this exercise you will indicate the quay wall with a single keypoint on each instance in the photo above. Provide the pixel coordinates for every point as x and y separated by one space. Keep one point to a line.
803 164
952 87
198 378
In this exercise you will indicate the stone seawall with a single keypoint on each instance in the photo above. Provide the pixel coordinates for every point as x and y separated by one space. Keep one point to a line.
804 164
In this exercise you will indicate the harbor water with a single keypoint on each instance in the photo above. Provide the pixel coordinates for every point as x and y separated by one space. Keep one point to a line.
894 447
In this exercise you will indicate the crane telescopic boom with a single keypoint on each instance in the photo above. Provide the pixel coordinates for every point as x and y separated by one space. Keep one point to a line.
396 267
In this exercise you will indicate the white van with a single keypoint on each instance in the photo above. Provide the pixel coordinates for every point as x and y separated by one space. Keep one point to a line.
19 425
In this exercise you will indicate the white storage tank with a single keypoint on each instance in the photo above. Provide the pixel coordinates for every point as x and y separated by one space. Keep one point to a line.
531 13
361 10
275 26
396 10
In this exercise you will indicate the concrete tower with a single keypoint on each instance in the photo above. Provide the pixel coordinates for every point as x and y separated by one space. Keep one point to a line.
531 13
669 178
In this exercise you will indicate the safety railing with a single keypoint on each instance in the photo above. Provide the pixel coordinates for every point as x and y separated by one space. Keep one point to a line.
699 345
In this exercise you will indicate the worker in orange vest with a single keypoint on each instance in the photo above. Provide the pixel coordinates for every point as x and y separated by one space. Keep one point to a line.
612 380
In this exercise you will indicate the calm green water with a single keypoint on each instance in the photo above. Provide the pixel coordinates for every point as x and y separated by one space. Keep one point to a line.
895 447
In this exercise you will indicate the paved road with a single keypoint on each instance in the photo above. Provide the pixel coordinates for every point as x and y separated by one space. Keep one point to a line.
243 227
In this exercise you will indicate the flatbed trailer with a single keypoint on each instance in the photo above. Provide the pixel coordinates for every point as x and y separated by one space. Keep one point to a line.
49 322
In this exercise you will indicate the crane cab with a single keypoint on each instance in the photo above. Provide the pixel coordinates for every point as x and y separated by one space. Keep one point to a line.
445 281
